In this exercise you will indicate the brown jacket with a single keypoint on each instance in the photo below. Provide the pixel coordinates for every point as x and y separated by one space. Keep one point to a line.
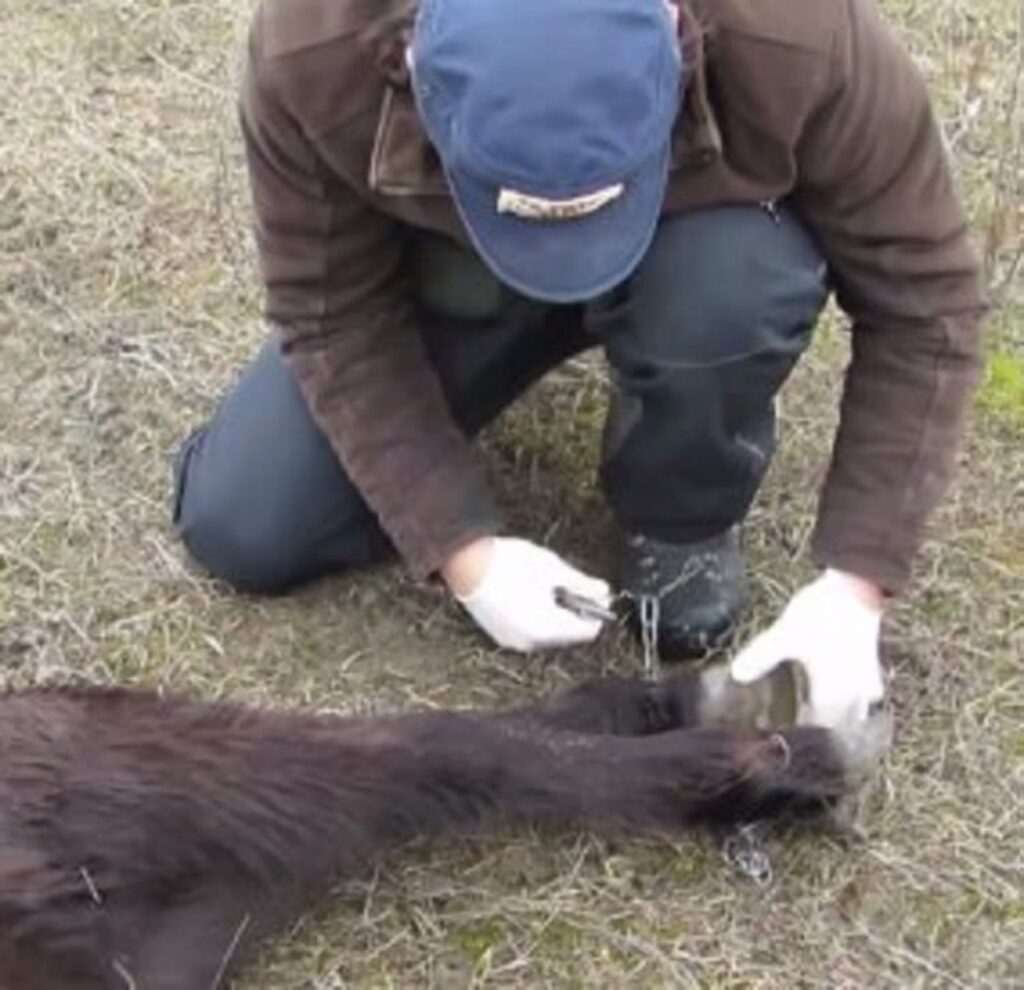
814 100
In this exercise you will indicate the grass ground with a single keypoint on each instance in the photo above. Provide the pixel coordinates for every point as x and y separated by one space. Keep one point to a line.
128 301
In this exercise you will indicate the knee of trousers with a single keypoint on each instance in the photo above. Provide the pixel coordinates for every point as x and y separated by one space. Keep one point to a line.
233 537
722 285
228 549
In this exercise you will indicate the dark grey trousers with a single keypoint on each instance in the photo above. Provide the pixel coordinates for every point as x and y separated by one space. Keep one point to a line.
699 340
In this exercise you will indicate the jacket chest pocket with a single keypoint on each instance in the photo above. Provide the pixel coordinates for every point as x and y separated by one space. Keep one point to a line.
403 162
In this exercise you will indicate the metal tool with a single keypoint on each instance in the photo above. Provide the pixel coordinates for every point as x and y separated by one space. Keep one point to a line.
584 607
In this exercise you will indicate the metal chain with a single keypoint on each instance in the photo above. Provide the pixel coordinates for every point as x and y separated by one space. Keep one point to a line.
650 610
649 614
686 575
743 850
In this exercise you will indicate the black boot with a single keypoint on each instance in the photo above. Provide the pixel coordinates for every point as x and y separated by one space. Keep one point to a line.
701 590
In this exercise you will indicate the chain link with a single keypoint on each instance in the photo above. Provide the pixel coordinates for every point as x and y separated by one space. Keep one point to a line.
648 607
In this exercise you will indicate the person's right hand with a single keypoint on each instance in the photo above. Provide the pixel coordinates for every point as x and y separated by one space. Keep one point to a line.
508 588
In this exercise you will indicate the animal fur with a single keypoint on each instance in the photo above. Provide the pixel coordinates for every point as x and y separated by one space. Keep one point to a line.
151 842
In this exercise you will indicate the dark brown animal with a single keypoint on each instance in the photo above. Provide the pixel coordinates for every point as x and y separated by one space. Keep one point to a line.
150 842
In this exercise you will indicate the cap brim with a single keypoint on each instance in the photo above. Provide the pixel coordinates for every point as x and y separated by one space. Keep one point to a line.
565 261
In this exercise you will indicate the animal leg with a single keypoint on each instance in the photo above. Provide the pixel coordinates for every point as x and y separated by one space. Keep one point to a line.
620 706
49 938
196 940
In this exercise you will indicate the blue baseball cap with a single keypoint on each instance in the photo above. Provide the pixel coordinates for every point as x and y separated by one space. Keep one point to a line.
553 121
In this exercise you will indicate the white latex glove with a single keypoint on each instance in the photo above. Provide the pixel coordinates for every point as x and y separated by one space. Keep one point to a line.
514 603
833 633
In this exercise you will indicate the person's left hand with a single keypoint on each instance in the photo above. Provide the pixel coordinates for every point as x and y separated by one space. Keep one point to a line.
831 627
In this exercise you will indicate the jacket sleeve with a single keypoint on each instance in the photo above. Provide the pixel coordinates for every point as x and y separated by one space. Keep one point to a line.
876 187
338 293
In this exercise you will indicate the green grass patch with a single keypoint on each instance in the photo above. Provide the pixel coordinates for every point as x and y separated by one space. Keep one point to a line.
1002 392
477 939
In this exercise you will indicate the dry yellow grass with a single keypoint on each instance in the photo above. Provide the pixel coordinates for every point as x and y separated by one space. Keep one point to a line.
128 300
